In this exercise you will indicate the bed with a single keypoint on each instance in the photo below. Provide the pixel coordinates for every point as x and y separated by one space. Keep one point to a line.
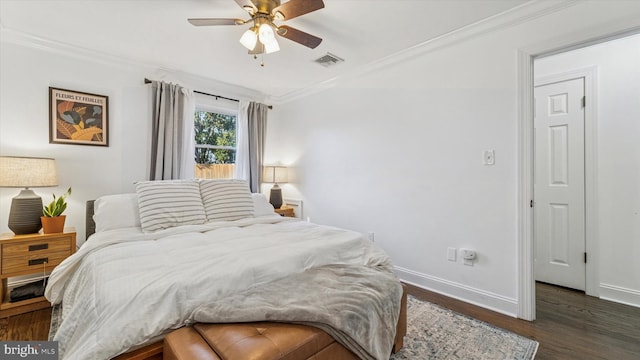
177 253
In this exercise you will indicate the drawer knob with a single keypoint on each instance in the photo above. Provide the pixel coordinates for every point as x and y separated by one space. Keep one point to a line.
38 247
38 261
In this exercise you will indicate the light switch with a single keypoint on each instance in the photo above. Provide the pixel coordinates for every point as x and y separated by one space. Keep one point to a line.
489 157
451 254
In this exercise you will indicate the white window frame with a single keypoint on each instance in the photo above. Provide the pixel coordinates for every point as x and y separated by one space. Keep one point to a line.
219 106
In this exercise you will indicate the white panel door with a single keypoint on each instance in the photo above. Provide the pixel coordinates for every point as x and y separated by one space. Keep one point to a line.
559 212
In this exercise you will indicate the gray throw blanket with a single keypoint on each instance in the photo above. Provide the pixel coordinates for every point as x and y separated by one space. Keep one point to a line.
358 306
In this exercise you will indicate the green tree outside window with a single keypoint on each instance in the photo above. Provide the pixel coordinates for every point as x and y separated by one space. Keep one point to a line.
215 138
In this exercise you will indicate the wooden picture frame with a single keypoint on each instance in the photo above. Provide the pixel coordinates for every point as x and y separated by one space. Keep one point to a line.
78 118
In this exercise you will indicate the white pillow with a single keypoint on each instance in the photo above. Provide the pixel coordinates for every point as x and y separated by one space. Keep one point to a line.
226 199
116 212
168 203
262 206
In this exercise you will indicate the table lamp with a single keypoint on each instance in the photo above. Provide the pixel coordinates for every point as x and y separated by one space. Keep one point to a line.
26 172
275 175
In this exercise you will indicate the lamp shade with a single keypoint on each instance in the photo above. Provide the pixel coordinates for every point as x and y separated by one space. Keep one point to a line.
271 46
249 39
265 34
27 172
275 174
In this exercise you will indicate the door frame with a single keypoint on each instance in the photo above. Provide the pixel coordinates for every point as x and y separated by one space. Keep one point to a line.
590 76
525 81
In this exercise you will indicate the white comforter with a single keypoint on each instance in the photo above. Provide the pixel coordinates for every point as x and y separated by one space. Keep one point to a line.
124 287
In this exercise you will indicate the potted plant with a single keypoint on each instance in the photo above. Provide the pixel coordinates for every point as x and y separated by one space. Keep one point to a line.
52 219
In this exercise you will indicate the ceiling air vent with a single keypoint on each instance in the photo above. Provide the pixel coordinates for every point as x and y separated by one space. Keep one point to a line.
329 60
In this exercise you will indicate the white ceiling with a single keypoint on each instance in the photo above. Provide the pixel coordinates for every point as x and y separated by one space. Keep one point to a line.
156 32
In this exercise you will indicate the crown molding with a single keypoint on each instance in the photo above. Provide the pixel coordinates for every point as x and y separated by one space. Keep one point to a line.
155 71
512 17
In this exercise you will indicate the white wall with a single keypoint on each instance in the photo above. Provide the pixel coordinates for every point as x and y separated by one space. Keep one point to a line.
27 69
618 159
398 151
90 170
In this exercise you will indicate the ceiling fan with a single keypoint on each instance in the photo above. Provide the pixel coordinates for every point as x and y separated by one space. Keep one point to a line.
260 37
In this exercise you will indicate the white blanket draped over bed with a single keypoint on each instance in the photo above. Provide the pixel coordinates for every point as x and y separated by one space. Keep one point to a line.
124 287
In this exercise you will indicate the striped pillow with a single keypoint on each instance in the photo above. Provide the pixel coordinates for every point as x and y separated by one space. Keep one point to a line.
226 199
169 203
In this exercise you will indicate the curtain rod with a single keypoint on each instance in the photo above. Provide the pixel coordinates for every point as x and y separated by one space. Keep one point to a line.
147 81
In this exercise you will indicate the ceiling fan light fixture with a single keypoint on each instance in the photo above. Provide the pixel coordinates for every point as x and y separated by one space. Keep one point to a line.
271 47
249 39
265 34
260 38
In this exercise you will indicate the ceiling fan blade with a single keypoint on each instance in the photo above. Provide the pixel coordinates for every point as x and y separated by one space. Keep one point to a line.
247 4
295 8
299 36
213 22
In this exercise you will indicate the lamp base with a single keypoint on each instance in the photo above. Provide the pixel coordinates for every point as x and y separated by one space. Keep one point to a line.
24 216
275 197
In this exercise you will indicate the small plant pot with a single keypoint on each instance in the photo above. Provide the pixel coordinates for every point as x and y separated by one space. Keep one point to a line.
53 225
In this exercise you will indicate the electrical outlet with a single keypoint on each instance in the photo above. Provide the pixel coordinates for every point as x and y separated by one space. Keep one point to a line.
467 256
451 254
371 236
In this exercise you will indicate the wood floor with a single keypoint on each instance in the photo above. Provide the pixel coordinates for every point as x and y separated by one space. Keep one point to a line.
570 325
26 327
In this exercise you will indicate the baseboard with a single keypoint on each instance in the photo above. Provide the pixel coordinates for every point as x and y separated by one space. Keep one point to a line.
620 294
482 298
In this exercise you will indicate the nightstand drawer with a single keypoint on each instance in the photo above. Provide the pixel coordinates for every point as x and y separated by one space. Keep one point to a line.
36 247
33 262
30 254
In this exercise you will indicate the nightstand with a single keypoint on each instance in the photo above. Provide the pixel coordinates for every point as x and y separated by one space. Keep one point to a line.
28 255
285 211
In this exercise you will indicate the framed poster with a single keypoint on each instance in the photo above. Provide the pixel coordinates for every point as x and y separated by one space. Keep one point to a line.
78 118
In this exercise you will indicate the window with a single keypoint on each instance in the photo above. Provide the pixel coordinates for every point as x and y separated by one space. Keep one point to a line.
215 143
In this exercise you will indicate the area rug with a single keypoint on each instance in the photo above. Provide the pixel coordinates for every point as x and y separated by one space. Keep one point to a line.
434 332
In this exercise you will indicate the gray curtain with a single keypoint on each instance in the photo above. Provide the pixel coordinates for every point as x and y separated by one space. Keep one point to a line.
172 153
257 131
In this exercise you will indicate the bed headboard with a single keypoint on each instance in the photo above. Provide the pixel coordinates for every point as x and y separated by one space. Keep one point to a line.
90 225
